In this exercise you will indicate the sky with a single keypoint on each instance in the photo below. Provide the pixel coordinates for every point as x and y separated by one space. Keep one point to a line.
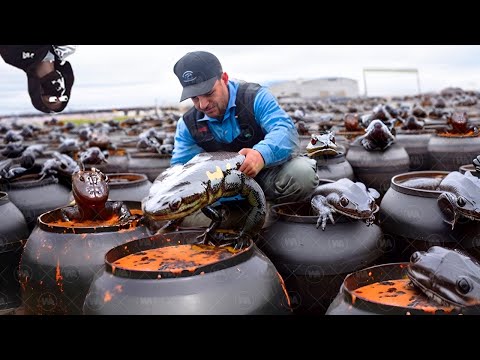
117 76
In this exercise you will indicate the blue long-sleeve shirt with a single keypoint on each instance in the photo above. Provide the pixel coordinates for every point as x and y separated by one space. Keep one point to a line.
280 141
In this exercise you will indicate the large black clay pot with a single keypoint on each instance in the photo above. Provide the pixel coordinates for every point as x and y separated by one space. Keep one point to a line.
117 162
129 143
415 143
411 220
13 235
33 196
245 283
449 153
334 167
469 167
59 262
128 186
350 300
313 262
376 168
150 164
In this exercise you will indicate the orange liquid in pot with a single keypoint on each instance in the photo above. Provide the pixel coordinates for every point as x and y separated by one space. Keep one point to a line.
400 293
175 258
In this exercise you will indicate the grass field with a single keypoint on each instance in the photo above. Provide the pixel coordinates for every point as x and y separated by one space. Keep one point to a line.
81 121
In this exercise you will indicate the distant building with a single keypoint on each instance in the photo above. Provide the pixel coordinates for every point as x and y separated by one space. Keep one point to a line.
316 88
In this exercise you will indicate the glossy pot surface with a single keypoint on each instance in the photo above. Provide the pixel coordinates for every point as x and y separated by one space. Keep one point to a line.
334 167
376 168
415 143
13 235
128 186
313 262
33 196
352 299
59 262
449 153
412 220
245 282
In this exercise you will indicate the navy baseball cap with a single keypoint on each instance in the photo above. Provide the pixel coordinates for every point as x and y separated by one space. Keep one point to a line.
58 84
197 71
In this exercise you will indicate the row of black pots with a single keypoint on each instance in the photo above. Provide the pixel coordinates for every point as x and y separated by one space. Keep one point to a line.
429 151
29 198
413 151
59 265
34 195
312 262
412 221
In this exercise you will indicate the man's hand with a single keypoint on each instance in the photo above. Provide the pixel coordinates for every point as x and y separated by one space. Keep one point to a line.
253 162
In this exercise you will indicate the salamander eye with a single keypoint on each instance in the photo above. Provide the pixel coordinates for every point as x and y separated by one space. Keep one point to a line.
82 178
463 286
344 201
461 201
175 204
313 141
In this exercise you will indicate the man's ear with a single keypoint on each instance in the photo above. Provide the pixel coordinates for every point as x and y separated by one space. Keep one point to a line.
225 78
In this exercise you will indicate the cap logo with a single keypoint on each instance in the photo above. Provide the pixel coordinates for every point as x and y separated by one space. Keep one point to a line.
188 76
59 85
27 55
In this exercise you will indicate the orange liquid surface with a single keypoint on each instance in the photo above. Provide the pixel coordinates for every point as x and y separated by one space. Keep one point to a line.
400 293
95 223
469 133
175 258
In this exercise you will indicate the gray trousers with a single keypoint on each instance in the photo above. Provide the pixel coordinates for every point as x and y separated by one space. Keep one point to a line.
294 180
291 181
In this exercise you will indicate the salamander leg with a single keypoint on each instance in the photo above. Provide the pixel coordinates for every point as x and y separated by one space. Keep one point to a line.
216 217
